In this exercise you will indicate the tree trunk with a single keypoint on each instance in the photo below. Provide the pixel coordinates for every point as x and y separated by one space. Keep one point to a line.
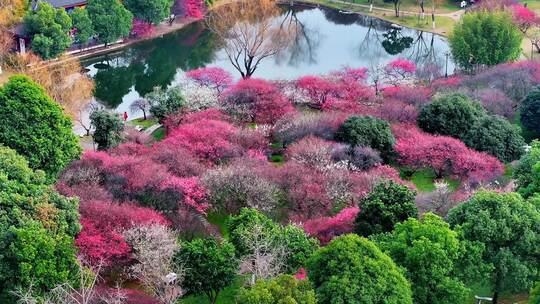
396 8
144 114
495 297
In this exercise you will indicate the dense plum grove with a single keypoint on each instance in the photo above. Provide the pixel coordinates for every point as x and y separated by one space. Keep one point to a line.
359 186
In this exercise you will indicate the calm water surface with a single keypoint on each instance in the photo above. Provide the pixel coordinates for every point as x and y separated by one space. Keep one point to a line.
329 39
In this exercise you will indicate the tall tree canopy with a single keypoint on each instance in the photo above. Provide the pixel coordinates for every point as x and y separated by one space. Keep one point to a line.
386 205
509 229
35 126
432 255
83 25
485 38
209 265
353 270
37 227
154 11
110 18
49 28
451 115
530 111
524 174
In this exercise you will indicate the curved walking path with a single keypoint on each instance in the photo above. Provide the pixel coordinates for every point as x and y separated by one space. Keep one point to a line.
454 15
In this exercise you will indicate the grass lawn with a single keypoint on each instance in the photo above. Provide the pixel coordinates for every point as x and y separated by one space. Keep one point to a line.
447 6
143 123
159 134
227 296
444 24
424 180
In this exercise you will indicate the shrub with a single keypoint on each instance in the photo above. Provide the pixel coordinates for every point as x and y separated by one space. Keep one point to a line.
523 174
433 256
357 158
326 228
496 136
255 100
451 115
213 77
479 33
386 205
282 289
367 131
164 103
530 111
108 129
311 151
353 270
484 218
446 155
48 142
293 127
209 266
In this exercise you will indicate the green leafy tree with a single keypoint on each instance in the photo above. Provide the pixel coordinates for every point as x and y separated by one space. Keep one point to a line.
164 103
49 29
524 173
387 204
496 136
451 115
150 11
367 131
533 188
35 126
108 129
485 38
110 18
249 221
508 228
529 111
432 255
284 289
37 227
83 25
209 266
353 270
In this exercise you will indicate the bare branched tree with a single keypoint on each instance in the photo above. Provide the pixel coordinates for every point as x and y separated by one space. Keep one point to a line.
250 32
266 258
140 105
153 249
65 293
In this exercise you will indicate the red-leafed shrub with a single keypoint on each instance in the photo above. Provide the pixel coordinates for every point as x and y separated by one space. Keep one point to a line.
305 190
256 100
208 140
496 102
399 70
193 192
326 228
317 89
179 161
523 17
101 240
442 84
212 77
416 96
105 247
395 111
194 9
445 155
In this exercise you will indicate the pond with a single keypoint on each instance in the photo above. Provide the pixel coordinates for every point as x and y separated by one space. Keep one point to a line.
328 40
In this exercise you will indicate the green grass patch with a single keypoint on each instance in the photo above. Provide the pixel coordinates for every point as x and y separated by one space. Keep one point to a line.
159 134
145 124
277 158
423 180
219 220
226 296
